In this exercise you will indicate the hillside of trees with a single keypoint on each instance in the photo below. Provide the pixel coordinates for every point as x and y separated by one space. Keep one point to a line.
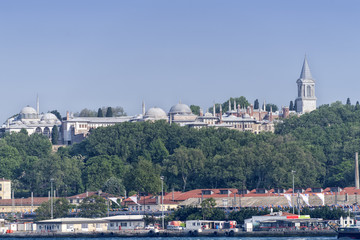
320 146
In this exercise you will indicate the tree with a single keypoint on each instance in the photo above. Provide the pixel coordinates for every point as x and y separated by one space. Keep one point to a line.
207 208
357 106
114 186
185 162
195 109
10 160
348 101
145 177
86 113
54 135
93 207
295 106
109 112
291 106
57 114
61 209
100 113
256 104
273 106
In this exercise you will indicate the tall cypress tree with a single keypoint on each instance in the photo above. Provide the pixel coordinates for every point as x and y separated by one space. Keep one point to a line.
109 112
291 106
54 135
295 106
100 113
348 101
256 104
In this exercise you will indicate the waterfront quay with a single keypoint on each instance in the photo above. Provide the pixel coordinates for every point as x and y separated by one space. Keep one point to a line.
168 233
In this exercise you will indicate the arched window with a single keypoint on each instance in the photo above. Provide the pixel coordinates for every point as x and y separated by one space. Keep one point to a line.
308 91
47 132
38 130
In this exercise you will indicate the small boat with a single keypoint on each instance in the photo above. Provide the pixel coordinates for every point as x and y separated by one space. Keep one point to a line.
349 232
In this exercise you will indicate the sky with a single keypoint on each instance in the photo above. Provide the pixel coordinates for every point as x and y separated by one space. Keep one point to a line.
88 54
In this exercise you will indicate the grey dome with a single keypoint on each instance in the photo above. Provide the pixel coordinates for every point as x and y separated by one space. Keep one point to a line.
28 113
180 108
28 110
49 116
156 113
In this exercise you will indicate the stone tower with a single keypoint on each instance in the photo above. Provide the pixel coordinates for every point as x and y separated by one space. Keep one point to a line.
306 100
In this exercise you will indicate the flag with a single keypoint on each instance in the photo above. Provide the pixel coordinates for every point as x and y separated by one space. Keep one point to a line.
322 197
134 199
288 197
305 197
114 200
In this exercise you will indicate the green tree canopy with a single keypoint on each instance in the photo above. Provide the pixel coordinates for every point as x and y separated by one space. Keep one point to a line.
61 209
100 113
109 112
195 109
54 135
93 207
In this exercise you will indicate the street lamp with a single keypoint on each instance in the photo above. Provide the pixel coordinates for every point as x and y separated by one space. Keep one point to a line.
162 201
51 198
292 199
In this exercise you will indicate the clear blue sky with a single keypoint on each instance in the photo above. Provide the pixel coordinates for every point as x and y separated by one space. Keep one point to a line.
87 54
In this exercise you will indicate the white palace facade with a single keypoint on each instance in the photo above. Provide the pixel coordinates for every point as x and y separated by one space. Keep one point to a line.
75 129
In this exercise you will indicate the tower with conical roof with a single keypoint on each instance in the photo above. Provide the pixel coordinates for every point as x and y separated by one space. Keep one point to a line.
306 100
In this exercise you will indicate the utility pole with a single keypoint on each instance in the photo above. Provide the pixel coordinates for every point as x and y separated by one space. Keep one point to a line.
51 198
162 201
293 191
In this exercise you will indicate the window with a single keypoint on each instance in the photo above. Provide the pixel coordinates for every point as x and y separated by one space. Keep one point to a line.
98 225
84 225
0 187
124 224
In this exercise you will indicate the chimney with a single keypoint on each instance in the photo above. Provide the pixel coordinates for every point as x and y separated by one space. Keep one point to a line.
356 170
220 114
248 110
286 112
238 111
67 115
143 108
271 115
251 110
201 112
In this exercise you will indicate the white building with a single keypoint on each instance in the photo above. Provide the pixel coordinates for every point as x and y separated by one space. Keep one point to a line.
125 222
32 121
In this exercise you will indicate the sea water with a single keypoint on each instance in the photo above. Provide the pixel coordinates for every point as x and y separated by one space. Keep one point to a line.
189 238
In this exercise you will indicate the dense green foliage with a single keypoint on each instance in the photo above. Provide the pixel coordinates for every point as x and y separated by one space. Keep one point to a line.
93 207
61 209
195 109
320 146
54 135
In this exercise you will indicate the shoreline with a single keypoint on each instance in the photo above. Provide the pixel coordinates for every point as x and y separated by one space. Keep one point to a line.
165 233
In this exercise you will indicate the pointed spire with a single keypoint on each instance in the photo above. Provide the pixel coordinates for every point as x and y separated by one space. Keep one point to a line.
143 108
305 71
37 104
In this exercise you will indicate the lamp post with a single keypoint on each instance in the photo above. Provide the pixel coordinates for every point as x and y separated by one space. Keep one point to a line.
162 201
292 199
51 198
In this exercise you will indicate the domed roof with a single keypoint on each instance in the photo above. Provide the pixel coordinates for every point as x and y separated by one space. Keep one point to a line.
49 116
180 108
28 110
156 113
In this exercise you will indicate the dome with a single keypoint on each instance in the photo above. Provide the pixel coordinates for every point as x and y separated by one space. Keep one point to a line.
28 110
180 108
156 113
28 113
49 116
